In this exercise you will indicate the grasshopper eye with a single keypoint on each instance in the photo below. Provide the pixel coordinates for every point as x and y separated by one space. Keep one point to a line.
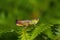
16 21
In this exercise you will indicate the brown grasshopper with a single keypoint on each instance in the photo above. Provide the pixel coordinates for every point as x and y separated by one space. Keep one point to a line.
26 22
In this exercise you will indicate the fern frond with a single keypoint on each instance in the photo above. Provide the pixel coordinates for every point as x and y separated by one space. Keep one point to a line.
38 30
57 37
49 33
24 35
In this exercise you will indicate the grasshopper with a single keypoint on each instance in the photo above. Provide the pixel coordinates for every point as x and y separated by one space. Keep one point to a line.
26 22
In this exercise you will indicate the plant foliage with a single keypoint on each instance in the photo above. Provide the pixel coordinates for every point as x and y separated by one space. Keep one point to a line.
48 12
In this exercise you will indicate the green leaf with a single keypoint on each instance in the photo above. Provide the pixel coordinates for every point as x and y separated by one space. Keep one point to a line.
24 35
49 33
57 37
38 30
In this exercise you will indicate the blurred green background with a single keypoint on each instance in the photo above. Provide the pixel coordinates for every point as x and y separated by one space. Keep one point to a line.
48 12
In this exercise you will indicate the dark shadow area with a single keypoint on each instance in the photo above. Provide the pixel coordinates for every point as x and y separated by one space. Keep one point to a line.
9 36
